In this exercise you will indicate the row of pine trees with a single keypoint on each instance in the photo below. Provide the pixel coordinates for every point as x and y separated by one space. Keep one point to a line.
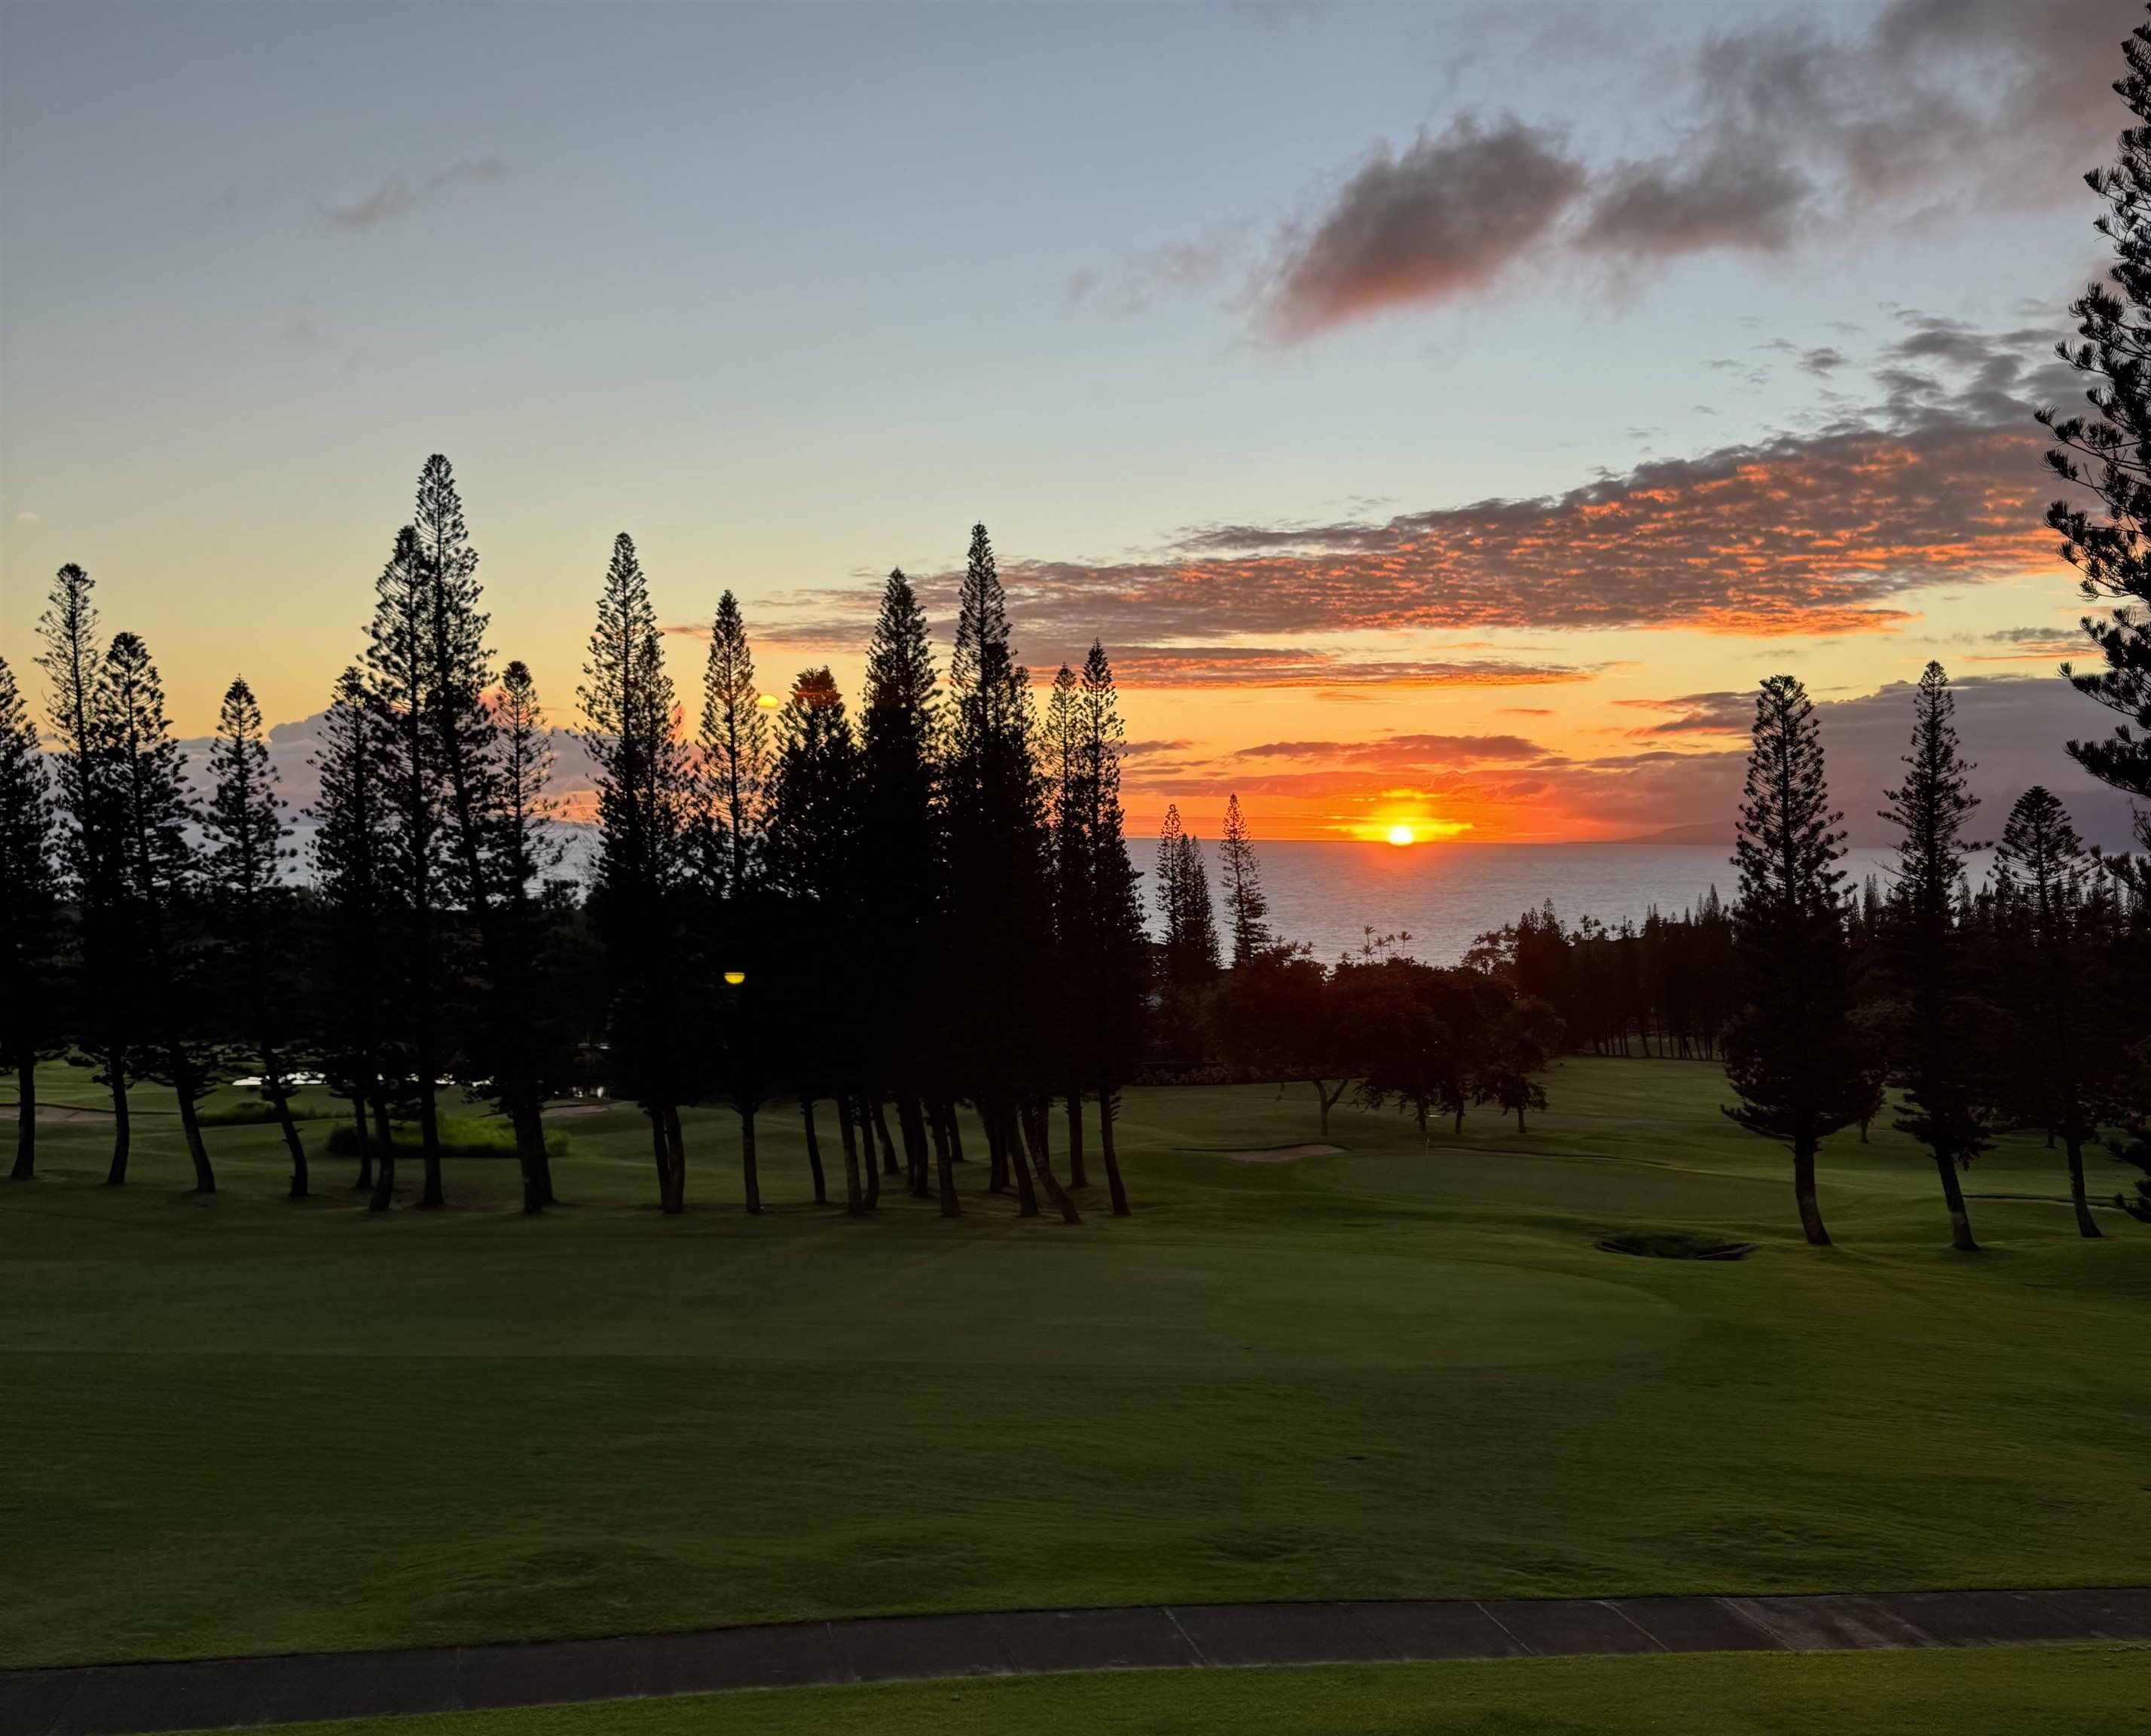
931 904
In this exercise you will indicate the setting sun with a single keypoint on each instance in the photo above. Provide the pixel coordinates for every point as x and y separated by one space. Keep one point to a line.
1401 835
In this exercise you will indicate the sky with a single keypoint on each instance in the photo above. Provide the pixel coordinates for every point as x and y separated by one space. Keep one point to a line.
1444 415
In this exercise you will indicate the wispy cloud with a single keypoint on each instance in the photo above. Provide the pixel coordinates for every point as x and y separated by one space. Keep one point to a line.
400 192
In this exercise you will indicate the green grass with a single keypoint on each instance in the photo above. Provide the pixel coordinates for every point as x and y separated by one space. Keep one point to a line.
244 1423
2047 1691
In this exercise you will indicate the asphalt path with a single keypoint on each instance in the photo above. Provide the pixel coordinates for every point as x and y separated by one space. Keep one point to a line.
121 1700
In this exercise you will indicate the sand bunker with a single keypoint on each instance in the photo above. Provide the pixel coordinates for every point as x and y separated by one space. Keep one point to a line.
1283 1154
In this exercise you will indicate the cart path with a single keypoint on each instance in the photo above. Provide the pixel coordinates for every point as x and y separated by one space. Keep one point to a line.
123 1699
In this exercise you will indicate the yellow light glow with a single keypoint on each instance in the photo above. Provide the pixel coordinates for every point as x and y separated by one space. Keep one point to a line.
1401 835
733 978
769 702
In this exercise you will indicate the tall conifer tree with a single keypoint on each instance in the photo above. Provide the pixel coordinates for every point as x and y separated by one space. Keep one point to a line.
643 787
399 665
352 867
2065 1060
1244 903
735 747
901 837
160 872
29 1023
108 1008
994 809
1111 980
2109 451
249 904
1793 1055
1940 1064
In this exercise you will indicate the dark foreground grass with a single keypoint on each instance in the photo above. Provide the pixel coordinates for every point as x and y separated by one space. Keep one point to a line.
244 1424
2043 1691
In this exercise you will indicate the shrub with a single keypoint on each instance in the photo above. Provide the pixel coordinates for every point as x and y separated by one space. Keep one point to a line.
255 1110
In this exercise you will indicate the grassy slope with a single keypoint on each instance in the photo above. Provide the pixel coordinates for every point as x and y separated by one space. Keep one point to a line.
2052 1691
242 1425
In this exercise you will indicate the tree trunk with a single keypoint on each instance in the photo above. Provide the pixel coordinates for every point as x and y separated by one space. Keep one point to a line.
1321 1097
890 1167
813 1151
364 1184
1035 1123
26 1117
190 1125
1107 1105
1804 1193
530 1152
675 1148
943 1113
1520 1118
997 1167
273 1088
912 1124
660 1154
1078 1176
750 1160
2085 1224
854 1202
384 1181
955 1131
873 1167
429 1143
1953 1195
1011 1144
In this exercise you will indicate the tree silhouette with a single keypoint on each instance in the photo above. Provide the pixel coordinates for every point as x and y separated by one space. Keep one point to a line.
399 667
353 861
1109 950
243 870
2065 1061
158 871
107 1007
644 788
28 913
901 837
735 751
1940 1061
1793 1055
994 896
1184 907
2109 451
512 856
810 854
1244 903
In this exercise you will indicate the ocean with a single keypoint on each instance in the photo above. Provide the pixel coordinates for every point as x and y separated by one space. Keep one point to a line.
1445 896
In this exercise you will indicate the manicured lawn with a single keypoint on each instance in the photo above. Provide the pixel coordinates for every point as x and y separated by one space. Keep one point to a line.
241 1424
2045 1691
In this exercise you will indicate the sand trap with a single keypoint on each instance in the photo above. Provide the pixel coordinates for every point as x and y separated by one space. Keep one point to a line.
1283 1154
61 1112
559 1109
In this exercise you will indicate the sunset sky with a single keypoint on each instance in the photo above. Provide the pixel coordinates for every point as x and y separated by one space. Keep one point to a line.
1443 414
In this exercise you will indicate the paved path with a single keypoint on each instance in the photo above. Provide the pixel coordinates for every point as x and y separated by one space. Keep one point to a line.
116 1699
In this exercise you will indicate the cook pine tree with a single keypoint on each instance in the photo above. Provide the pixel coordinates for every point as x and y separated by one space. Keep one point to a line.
900 822
646 790
2108 453
2066 1063
106 1013
1941 1062
357 919
1793 1055
1245 906
250 908
29 918
160 877
735 754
